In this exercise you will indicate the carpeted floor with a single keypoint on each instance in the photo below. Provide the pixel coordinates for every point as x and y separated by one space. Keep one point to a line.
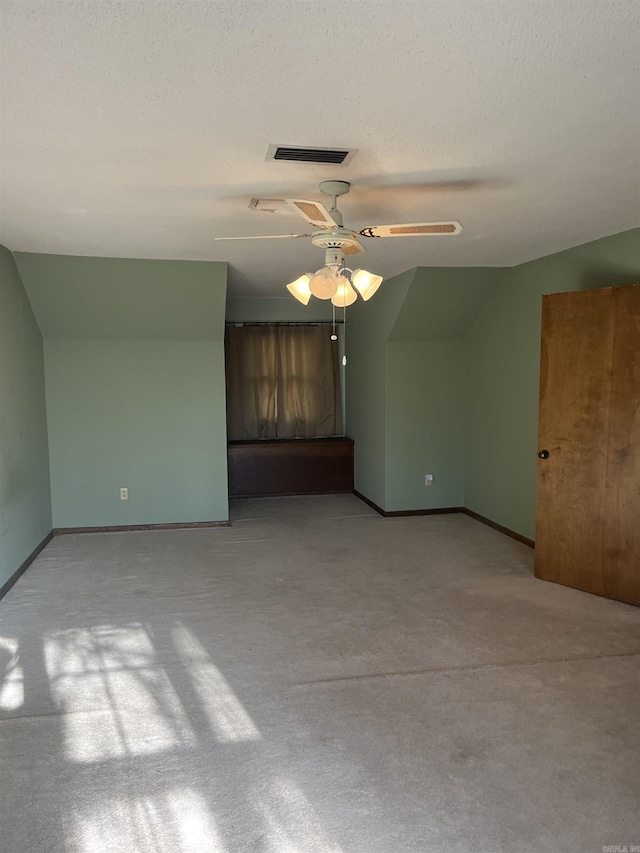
314 679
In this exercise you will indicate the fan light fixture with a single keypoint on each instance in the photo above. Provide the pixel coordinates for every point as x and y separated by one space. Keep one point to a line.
345 295
324 283
335 282
366 283
300 288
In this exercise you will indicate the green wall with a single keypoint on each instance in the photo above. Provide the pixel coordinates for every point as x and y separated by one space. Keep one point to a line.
134 363
367 330
277 310
405 377
424 379
443 303
424 431
503 354
25 505
442 378
142 414
125 299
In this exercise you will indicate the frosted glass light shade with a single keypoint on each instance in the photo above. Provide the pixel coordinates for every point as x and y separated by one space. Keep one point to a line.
300 289
366 283
323 284
345 295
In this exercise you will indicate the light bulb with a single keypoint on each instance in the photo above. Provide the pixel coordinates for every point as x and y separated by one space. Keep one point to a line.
345 295
323 284
366 283
300 289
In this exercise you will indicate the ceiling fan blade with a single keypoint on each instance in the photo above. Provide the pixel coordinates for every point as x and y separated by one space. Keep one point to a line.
313 211
413 229
265 237
354 249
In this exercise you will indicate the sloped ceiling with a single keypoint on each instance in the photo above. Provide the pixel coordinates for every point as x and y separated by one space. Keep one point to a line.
443 304
140 129
120 299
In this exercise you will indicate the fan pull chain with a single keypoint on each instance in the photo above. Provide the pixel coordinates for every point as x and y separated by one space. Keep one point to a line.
344 334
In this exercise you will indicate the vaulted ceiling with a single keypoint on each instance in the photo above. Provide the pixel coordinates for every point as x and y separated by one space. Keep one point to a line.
140 129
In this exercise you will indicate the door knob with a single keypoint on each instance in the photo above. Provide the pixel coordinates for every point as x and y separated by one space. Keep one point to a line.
543 454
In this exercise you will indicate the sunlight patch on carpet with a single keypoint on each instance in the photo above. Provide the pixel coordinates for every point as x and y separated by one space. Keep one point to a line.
227 717
11 676
176 820
115 698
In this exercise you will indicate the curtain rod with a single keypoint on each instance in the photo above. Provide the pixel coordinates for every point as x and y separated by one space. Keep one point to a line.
282 323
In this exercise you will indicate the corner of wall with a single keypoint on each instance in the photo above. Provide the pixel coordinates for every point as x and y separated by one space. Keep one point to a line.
25 495
502 354
367 331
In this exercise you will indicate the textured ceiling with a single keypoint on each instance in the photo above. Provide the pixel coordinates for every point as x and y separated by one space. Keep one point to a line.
139 129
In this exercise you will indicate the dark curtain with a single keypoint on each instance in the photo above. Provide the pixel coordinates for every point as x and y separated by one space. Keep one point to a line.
282 382
251 367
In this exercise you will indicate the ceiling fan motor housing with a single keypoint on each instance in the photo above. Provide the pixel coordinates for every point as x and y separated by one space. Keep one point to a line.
334 238
336 242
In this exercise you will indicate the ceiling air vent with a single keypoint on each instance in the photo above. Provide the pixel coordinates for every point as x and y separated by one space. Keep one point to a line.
335 156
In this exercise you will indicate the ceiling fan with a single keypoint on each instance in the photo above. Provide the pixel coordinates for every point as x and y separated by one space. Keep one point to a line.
331 232
334 280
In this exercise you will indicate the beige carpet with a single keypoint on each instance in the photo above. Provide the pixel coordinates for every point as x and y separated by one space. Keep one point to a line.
313 679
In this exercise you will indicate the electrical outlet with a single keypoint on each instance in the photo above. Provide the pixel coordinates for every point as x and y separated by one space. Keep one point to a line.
124 494
428 479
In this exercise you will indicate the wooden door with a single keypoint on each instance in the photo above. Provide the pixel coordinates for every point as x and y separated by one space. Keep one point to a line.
588 500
